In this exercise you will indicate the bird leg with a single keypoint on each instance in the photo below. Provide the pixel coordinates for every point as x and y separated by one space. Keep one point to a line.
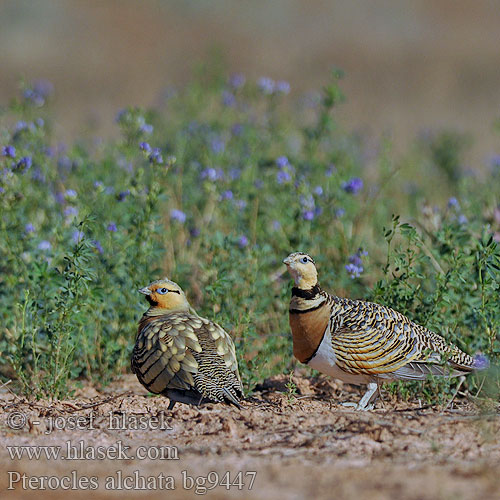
366 402
171 404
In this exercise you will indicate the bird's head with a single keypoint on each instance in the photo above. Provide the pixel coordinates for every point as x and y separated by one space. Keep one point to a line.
165 296
302 269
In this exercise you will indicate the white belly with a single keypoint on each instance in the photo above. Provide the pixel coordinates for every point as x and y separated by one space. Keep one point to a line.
325 361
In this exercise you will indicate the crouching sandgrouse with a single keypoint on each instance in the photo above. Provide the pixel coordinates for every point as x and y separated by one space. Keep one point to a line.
181 355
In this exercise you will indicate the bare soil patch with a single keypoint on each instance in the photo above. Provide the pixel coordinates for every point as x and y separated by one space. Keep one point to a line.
300 446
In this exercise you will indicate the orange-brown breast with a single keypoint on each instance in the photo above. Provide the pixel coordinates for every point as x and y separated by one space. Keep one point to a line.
307 331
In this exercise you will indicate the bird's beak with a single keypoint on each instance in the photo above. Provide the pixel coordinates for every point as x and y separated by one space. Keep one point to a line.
287 261
145 291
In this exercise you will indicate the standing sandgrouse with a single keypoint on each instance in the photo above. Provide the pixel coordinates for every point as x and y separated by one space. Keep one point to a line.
181 355
362 342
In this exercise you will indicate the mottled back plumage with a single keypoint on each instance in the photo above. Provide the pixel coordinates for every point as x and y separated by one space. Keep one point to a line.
183 356
363 342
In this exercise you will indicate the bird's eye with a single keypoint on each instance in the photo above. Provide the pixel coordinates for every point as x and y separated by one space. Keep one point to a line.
304 260
162 291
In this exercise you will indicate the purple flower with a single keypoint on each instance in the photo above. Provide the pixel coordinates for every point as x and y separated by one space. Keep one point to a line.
330 170
25 162
353 185
70 193
308 214
44 245
495 161
453 203
318 191
156 157
283 177
282 87
29 228
194 232
212 174
237 129
227 195
39 122
240 204
122 195
307 202
98 184
98 246
217 145
276 225
112 227
235 173
228 99
282 161
339 212
146 128
77 236
243 241
462 220
355 266
144 146
237 80
38 92
70 211
266 85
178 215
481 362
9 151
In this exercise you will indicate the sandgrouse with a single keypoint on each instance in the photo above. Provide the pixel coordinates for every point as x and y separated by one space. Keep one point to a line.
181 355
362 342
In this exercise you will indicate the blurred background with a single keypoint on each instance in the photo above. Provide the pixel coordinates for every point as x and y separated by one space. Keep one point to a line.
411 65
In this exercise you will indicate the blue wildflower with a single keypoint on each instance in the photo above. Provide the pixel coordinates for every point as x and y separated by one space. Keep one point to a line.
123 194
111 227
282 161
462 219
266 85
144 146
98 184
353 185
228 99
235 173
146 128
283 177
194 232
481 362
70 211
44 245
212 174
25 162
318 191
237 80
282 87
339 212
29 228
308 214
355 266
240 204
98 246
178 215
39 91
330 170
237 129
77 236
70 193
276 225
227 195
453 203
243 241
156 157
217 145
9 151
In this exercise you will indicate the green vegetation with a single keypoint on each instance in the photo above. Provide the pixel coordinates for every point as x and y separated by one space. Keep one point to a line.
213 188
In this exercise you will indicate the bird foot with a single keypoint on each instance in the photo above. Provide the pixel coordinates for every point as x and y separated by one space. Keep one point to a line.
358 407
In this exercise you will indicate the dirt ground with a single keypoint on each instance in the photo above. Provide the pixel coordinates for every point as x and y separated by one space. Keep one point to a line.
301 446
